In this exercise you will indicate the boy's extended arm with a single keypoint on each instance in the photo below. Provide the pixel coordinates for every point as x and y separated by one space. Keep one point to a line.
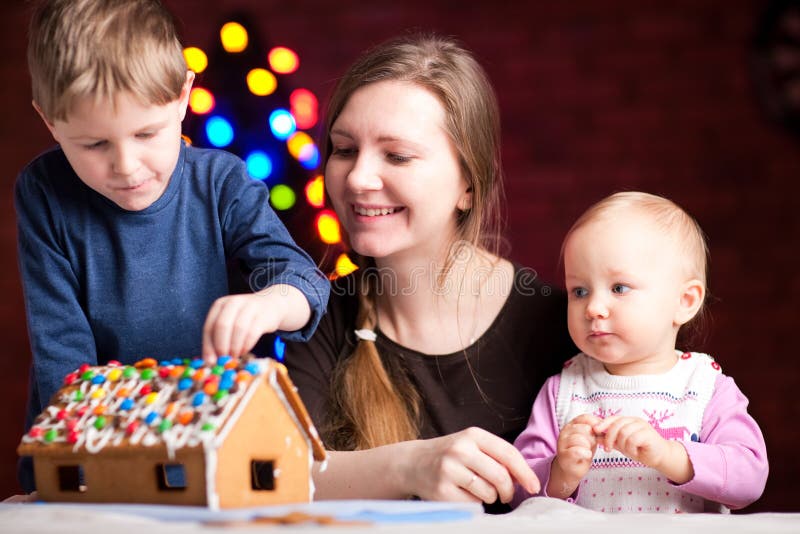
730 461
256 236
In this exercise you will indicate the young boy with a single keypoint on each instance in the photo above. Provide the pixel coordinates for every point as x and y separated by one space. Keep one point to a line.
124 231
632 424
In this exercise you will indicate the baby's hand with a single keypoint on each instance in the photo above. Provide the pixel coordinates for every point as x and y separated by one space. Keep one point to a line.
576 446
633 437
235 323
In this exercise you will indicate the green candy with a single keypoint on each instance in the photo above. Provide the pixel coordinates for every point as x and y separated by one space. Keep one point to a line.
207 427
147 374
165 425
50 435
129 372
100 422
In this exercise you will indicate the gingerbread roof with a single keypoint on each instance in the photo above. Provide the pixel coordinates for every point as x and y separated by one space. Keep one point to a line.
177 403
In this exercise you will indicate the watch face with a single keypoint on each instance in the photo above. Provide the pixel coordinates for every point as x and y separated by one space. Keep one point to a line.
776 62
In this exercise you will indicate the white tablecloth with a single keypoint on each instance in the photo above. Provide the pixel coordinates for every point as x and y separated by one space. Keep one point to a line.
537 516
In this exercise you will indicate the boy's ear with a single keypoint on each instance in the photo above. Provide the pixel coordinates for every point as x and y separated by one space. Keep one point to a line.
45 119
183 100
693 294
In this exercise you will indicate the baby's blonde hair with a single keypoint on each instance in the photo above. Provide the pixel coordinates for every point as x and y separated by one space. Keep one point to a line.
101 48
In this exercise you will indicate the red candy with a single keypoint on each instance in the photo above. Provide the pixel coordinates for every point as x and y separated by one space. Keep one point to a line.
83 368
147 388
131 428
70 378
72 436
61 415
36 432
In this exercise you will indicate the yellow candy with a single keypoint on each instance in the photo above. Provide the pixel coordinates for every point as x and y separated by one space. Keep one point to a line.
151 398
99 393
114 374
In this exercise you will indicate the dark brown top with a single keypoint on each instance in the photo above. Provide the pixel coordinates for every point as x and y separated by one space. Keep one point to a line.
527 343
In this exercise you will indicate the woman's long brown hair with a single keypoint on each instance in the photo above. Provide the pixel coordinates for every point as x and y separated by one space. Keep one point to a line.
373 401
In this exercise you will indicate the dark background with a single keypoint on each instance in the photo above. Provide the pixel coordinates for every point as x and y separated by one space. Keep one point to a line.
595 97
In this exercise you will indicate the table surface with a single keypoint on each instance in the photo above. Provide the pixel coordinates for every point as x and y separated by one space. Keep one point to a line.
538 515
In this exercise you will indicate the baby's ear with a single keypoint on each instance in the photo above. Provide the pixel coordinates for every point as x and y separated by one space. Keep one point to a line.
693 294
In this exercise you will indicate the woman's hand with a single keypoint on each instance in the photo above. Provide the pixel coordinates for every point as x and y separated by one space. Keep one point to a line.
471 465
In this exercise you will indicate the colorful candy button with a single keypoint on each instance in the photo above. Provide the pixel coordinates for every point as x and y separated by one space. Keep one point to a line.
70 379
197 363
83 368
73 436
128 373
62 414
87 375
147 374
165 425
114 374
198 399
78 396
51 435
150 398
99 393
131 428
185 417
207 427
150 418
146 363
145 389
35 432
126 405
100 422
185 383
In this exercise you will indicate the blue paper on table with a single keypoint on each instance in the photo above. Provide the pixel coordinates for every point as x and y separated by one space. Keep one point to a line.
373 511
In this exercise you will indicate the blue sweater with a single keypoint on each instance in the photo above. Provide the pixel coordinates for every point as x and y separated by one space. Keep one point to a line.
103 283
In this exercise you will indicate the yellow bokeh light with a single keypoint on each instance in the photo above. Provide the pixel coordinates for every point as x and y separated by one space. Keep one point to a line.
201 101
195 58
233 36
315 191
328 227
283 60
261 82
297 142
344 265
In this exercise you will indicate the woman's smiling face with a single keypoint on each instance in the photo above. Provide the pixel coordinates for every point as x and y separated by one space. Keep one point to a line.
393 175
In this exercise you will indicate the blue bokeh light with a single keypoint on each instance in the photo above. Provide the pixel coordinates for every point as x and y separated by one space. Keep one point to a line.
259 165
282 124
280 348
219 131
310 157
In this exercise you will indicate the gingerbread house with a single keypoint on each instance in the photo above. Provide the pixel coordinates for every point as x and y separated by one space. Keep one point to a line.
234 434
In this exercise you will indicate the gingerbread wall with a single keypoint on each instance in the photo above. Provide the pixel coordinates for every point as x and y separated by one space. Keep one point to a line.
596 97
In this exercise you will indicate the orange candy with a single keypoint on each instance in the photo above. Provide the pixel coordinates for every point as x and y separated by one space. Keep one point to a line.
146 363
186 417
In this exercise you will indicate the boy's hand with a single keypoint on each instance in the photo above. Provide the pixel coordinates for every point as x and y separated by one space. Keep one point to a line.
236 322
574 452
635 438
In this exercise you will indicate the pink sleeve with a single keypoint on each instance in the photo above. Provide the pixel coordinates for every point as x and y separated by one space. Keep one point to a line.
730 461
538 441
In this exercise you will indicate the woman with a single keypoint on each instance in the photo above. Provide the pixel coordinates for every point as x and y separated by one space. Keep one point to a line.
426 364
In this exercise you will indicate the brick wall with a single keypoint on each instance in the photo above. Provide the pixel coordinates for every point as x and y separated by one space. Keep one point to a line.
596 97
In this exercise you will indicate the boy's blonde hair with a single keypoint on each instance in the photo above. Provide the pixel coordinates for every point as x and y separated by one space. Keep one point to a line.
100 48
